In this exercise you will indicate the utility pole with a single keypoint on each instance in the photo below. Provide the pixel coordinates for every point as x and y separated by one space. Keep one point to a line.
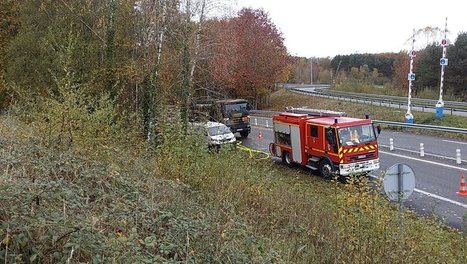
443 62
311 70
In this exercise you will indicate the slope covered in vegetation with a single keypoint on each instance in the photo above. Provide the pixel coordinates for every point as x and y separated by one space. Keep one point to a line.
114 201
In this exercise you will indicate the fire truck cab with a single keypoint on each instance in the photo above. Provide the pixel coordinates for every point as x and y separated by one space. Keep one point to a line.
326 141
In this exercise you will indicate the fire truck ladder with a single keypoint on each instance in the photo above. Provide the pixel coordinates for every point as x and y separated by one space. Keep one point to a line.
314 112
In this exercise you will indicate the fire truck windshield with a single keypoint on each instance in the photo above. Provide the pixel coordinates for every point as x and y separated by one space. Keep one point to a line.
349 136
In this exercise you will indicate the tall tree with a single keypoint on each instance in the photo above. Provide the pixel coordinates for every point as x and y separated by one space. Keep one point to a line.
44 29
252 55
110 47
9 25
156 17
427 65
193 23
382 62
401 68
456 76
186 72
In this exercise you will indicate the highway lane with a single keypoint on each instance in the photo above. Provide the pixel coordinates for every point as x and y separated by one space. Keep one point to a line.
435 192
433 145
436 182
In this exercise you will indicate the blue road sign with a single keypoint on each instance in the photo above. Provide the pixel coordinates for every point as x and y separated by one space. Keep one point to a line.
411 76
443 61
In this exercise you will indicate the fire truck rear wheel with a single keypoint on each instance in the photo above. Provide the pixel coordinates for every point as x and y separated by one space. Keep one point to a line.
287 159
325 169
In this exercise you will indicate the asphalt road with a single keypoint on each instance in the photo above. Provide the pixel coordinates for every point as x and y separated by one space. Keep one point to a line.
437 178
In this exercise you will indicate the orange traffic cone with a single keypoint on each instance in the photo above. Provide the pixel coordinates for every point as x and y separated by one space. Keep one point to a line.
462 190
260 136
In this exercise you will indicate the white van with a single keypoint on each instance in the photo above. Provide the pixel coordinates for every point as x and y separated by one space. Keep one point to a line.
219 134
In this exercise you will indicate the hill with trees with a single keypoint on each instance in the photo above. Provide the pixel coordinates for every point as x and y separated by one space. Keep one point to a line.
390 70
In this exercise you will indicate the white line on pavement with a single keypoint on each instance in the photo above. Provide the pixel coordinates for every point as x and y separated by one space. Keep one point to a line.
441 198
426 153
434 196
456 142
434 163
426 161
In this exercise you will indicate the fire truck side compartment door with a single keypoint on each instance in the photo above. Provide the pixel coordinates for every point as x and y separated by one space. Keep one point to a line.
282 128
296 146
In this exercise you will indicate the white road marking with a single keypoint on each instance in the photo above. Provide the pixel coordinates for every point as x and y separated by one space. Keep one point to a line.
441 198
456 142
426 161
434 163
434 196
426 153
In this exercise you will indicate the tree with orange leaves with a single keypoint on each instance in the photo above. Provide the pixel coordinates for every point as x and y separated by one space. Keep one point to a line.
254 57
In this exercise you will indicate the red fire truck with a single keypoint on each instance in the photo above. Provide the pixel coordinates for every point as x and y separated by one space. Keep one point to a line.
326 141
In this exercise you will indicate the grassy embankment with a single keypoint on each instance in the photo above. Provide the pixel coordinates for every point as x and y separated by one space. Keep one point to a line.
111 201
388 89
284 98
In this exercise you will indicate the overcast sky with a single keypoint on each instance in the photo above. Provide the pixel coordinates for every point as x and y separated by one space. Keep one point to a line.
330 27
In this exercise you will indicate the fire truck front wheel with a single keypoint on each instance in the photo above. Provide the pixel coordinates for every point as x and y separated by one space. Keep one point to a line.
325 169
287 159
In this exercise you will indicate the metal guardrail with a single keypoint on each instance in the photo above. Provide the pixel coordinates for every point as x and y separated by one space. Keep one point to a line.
315 86
420 126
387 123
420 101
451 106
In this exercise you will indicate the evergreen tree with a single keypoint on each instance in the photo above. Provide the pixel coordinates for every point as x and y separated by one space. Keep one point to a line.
427 68
456 75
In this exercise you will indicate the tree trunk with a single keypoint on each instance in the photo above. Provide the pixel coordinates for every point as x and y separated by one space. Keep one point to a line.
153 132
110 49
188 69
198 35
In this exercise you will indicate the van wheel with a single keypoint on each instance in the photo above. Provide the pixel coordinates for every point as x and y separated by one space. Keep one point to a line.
287 159
325 169
244 134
